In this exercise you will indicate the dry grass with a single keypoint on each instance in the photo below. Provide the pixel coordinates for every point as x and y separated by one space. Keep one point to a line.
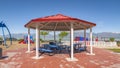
117 50
15 45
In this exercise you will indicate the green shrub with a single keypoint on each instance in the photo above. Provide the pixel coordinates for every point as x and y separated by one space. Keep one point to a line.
112 39
118 43
41 40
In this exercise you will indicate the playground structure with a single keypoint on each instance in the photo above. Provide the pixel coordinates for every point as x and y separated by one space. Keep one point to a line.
80 39
3 25
25 40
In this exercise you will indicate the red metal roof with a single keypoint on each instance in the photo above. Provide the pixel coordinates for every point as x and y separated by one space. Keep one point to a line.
58 18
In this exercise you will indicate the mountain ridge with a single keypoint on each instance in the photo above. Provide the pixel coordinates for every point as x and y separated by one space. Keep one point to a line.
76 34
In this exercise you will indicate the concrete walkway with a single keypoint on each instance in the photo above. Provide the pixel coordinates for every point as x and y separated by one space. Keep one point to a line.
102 59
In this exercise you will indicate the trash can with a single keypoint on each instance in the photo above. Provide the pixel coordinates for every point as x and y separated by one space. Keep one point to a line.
0 52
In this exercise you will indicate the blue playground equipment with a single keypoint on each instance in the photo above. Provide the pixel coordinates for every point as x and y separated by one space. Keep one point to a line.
80 39
26 39
2 25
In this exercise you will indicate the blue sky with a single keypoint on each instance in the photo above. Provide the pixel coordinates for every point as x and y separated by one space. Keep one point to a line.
105 13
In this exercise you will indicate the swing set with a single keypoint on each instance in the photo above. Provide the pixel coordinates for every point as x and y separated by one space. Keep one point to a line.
3 26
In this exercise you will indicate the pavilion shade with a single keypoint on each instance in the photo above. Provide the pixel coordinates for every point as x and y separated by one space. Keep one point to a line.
59 22
59 26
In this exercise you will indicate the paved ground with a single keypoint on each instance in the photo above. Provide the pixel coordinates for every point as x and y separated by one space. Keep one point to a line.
20 59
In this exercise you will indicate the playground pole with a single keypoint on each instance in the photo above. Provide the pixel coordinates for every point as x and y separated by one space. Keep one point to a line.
9 34
4 37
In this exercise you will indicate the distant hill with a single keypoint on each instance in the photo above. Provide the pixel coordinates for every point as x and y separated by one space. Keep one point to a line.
105 35
101 36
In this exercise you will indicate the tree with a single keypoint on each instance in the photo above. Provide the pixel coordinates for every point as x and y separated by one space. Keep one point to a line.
112 39
44 33
62 35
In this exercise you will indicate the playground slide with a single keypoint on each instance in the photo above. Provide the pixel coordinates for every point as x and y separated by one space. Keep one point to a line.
23 42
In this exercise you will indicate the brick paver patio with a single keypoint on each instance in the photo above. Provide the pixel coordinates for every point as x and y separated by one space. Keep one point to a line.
19 59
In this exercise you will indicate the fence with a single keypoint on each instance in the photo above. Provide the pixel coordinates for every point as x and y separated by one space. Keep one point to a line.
100 44
103 44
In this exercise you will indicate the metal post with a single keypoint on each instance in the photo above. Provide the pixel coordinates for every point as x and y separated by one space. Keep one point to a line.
54 36
91 48
85 37
71 41
28 40
37 42
71 44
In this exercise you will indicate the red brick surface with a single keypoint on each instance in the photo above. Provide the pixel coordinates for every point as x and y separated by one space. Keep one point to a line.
19 59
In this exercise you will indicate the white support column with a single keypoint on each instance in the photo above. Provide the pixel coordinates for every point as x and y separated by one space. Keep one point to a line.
28 51
54 36
71 43
91 45
85 36
71 31
37 43
39 39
